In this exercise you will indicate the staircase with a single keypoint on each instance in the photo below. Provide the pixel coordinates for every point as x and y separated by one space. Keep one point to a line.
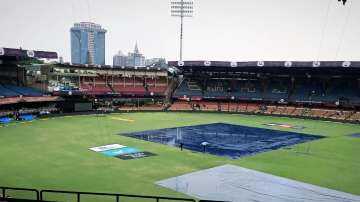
110 86
145 85
171 89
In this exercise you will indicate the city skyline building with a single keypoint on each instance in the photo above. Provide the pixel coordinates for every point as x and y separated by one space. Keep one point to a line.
133 59
120 59
136 59
87 43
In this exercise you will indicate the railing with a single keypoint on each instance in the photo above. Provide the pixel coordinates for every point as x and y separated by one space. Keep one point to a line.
117 197
40 195
4 189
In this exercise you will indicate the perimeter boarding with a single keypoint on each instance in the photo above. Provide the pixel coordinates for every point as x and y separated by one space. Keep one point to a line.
23 117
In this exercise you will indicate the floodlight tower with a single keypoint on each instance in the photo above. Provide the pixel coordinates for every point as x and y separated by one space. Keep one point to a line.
181 8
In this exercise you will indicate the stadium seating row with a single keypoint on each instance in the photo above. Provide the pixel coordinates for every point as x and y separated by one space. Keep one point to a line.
282 89
15 91
147 107
119 85
351 115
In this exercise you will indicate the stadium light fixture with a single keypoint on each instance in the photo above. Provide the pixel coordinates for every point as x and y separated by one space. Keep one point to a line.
182 9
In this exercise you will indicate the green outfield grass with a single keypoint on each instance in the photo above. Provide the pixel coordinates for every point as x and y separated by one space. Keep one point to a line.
54 154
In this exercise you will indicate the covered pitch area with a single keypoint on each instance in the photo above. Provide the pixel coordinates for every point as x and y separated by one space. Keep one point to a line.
224 139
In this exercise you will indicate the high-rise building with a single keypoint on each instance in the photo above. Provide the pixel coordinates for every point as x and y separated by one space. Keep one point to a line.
120 60
134 59
87 43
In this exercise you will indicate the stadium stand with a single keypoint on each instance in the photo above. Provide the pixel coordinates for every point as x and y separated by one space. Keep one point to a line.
323 85
271 82
328 90
273 91
82 80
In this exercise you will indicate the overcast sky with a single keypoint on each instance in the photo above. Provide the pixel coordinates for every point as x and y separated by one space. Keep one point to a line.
220 30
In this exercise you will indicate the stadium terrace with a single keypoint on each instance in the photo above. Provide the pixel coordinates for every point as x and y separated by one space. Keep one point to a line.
315 89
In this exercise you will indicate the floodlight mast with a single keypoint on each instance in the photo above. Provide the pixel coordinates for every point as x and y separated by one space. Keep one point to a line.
181 8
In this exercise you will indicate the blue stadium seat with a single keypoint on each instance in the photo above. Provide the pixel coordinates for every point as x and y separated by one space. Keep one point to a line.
26 91
247 89
12 90
299 90
276 90
7 92
217 88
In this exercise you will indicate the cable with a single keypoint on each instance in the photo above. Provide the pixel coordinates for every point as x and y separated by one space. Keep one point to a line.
343 31
323 29
89 11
